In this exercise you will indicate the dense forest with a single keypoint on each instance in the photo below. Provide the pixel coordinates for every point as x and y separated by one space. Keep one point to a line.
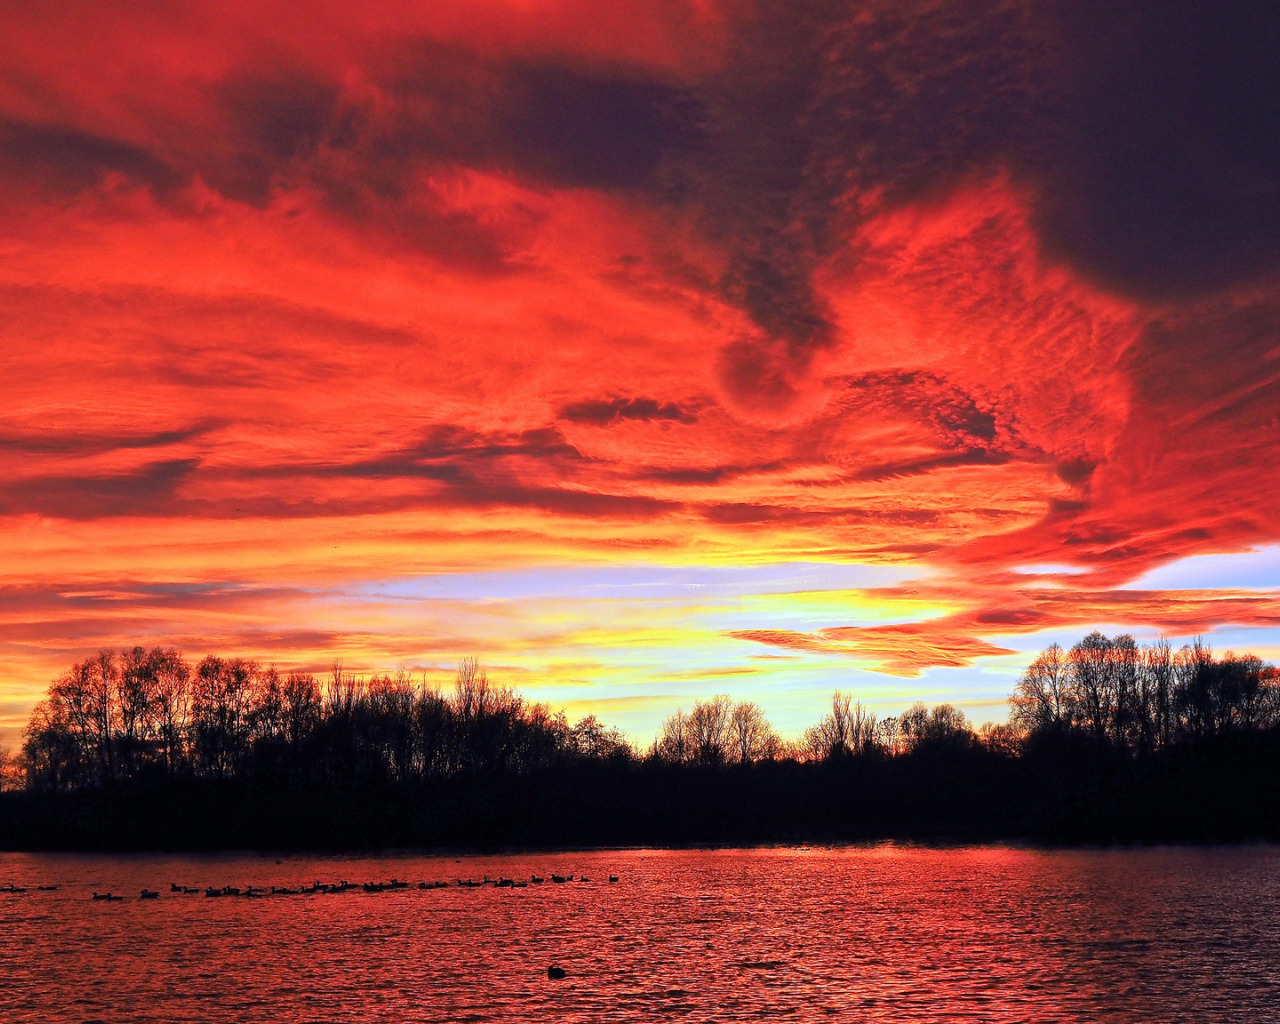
1108 741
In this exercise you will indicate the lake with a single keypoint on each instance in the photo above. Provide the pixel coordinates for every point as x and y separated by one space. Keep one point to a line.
861 933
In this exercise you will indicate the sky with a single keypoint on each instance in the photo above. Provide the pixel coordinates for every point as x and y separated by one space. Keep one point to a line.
644 350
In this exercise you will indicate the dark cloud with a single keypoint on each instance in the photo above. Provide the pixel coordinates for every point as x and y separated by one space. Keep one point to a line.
151 490
591 128
75 444
824 105
916 467
272 120
602 412
462 469
1143 132
1160 159
62 160
958 419
745 513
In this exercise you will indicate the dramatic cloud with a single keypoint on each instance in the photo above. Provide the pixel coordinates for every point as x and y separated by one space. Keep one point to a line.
292 304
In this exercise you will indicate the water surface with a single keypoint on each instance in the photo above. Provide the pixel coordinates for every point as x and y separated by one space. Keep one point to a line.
872 934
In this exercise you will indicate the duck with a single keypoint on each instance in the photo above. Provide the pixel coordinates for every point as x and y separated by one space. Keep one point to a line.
613 878
149 894
536 880
555 973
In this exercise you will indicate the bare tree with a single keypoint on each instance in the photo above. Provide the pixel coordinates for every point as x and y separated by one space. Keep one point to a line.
944 726
592 738
223 697
914 726
1001 739
1043 699
9 770
1194 670
751 737
473 698
1094 683
170 707
849 729
708 724
673 742
1127 712
1156 688
888 735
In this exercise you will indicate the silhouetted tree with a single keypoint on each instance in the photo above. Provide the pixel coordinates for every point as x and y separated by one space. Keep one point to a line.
943 728
717 731
1000 738
1044 699
1093 681
590 738
849 730
751 737
170 707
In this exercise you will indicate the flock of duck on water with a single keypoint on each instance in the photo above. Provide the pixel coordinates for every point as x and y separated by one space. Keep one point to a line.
317 888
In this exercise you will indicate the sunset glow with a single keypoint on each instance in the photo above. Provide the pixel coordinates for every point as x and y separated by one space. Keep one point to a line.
643 351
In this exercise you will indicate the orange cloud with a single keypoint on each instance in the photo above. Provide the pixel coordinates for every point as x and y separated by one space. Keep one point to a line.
901 650
477 287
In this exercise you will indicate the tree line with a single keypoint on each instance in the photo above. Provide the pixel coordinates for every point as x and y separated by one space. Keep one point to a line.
148 714
1107 740
1141 698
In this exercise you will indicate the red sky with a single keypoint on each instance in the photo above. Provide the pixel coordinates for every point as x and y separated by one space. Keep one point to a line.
643 350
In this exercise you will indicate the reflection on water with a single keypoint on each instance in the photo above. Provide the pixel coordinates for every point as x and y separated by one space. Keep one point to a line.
880 933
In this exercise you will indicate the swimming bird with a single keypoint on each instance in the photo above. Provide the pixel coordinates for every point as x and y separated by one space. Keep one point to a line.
613 878
536 880
555 972
149 894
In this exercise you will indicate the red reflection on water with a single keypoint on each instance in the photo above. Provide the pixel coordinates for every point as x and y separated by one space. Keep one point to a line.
882 933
